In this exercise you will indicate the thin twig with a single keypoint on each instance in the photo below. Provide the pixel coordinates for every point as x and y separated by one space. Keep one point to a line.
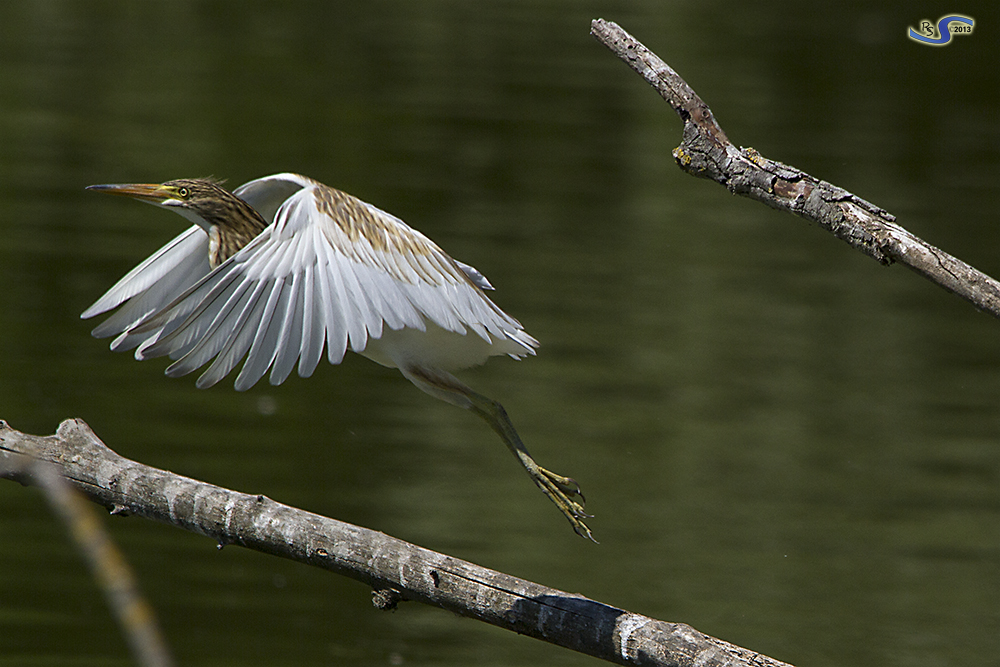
114 576
706 151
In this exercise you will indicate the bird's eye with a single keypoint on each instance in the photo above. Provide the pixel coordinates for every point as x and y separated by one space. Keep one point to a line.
183 192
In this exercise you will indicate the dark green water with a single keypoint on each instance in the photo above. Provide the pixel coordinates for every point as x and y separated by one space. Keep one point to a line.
784 444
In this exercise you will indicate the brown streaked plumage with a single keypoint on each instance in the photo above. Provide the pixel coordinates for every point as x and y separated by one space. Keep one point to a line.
359 223
285 267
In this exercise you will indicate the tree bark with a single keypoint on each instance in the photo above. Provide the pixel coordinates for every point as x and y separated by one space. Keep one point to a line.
706 151
396 570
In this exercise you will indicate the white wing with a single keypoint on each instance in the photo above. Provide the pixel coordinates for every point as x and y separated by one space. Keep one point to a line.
151 286
330 270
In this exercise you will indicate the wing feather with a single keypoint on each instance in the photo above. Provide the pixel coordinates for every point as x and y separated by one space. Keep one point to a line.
265 340
150 286
289 340
333 314
236 344
313 333
180 326
223 317
187 250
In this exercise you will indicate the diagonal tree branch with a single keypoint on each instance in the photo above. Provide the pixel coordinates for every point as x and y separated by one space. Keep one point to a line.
706 151
396 570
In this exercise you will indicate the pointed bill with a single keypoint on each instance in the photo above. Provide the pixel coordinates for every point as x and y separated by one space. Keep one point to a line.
153 193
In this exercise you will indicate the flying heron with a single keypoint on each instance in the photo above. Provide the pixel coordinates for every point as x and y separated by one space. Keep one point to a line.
284 266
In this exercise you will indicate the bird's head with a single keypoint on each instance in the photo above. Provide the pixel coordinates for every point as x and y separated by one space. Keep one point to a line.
228 220
200 200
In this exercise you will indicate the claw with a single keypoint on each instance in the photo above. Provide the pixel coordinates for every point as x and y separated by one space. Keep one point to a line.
567 485
562 491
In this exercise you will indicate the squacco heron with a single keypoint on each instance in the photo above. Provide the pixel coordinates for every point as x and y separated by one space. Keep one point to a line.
285 266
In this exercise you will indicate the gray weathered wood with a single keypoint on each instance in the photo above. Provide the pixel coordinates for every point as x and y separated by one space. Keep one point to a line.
396 570
707 152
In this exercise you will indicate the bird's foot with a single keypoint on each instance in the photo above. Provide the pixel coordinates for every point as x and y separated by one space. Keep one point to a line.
564 492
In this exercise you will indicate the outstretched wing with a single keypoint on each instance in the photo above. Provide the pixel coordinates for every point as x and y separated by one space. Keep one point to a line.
329 271
151 286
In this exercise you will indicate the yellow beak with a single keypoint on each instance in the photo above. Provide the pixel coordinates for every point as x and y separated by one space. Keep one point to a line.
154 193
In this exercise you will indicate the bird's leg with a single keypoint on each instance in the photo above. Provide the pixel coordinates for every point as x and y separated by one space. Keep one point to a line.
563 491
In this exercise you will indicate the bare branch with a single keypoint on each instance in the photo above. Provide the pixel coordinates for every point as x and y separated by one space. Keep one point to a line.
705 151
396 570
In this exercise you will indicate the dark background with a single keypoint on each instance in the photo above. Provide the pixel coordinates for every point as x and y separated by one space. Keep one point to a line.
784 444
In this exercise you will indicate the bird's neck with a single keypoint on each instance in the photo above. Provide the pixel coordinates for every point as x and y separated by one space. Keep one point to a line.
228 237
229 229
